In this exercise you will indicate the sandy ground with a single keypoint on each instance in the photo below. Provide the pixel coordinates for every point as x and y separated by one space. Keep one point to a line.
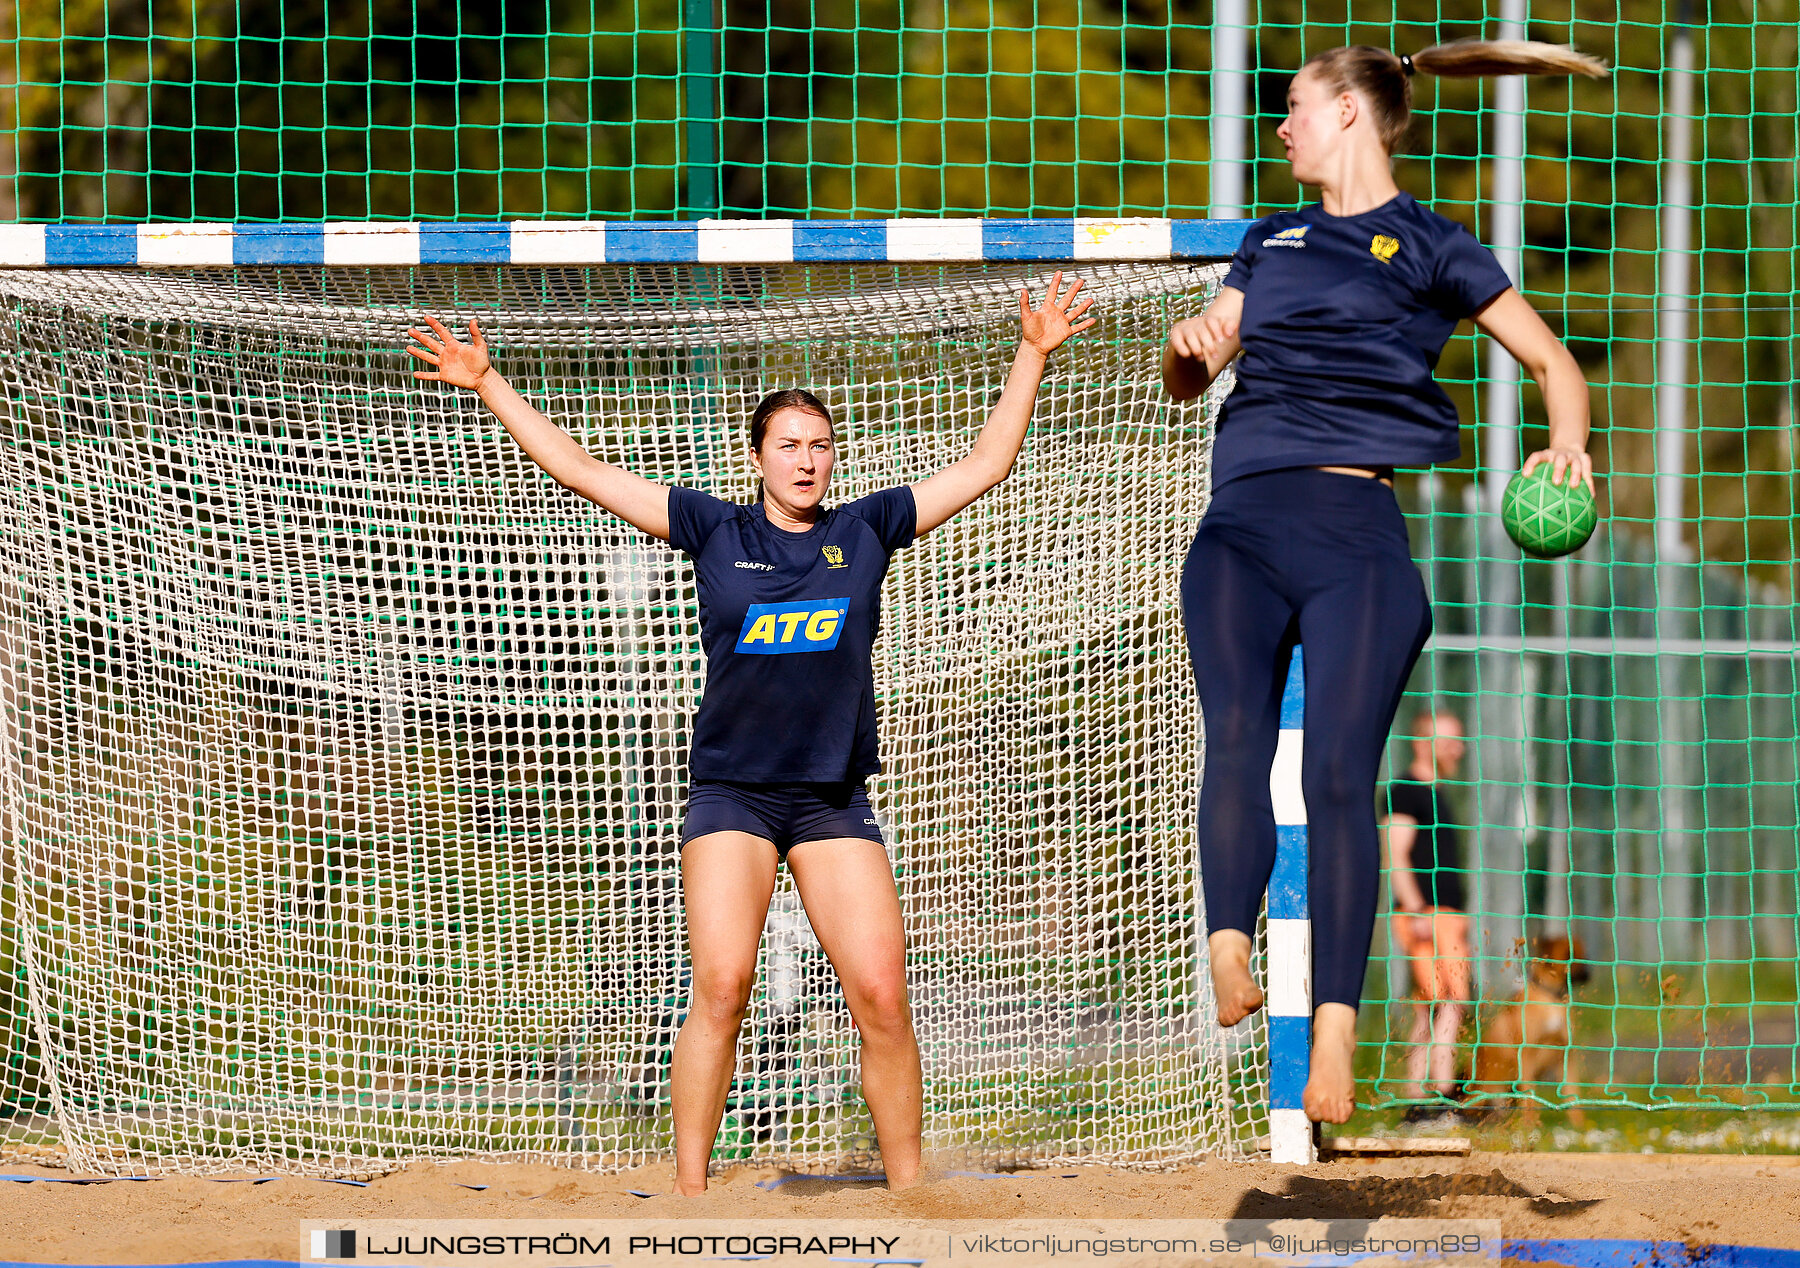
1698 1199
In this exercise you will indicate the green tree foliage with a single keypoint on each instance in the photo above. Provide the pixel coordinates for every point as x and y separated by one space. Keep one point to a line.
210 110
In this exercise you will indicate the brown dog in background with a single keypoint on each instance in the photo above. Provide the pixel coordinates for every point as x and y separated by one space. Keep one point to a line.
1525 1040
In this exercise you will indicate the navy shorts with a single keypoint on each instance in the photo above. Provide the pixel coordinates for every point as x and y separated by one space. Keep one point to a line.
786 814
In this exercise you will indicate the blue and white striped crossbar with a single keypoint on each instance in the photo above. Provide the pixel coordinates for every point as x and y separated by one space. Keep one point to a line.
1289 939
576 242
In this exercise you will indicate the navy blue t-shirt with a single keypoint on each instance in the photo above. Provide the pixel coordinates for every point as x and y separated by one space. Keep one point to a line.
788 621
1344 320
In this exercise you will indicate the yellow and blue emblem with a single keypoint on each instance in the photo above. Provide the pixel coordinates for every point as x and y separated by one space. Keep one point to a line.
1288 237
777 629
1383 248
834 556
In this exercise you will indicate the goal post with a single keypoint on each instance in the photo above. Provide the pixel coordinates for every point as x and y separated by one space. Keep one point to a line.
345 751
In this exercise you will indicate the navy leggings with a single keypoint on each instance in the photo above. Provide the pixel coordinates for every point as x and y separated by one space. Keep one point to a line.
1320 559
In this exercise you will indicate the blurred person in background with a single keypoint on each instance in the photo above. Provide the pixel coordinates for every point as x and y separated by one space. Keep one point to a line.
1423 838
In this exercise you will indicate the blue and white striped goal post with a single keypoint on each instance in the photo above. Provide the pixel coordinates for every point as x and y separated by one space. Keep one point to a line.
578 242
1289 945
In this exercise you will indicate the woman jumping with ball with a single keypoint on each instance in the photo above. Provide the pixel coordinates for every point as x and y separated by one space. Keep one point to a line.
1340 310
790 603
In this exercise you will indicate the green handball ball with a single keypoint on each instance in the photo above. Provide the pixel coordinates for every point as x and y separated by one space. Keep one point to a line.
1545 519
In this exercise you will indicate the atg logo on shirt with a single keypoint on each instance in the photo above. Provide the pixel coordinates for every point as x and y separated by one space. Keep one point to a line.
775 629
1288 237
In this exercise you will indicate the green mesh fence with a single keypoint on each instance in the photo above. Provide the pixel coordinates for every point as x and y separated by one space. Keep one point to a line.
1632 715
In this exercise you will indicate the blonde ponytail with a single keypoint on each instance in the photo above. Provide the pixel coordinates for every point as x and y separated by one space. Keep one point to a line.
1465 59
1385 79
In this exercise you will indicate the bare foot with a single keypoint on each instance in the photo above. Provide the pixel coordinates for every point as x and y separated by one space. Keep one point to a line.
1234 990
689 1188
1330 1093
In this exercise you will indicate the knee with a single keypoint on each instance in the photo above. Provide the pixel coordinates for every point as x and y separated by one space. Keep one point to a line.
1235 737
1336 782
880 1006
722 998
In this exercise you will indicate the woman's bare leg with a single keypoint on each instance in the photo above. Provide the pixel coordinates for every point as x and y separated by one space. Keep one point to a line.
1417 1054
1454 983
848 888
1444 1028
727 879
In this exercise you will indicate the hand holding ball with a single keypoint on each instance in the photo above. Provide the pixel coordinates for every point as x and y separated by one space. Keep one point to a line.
1548 520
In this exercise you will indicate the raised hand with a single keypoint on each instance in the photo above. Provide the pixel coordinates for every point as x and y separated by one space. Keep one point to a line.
458 364
1045 328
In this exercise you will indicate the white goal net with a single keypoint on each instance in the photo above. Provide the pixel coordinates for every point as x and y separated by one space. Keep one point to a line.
343 752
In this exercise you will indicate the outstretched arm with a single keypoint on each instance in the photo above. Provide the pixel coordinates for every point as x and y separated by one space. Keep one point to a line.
940 496
1201 347
1513 321
639 502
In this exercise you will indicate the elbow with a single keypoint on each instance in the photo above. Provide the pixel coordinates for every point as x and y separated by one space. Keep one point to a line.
1572 368
985 469
1557 363
1171 373
569 476
993 474
1183 379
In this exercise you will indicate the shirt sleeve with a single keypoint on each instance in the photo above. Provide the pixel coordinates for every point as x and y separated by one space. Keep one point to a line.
1468 275
693 517
893 515
1243 260
1402 797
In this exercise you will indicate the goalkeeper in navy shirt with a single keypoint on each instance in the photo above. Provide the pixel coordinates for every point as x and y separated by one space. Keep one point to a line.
1340 311
790 604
